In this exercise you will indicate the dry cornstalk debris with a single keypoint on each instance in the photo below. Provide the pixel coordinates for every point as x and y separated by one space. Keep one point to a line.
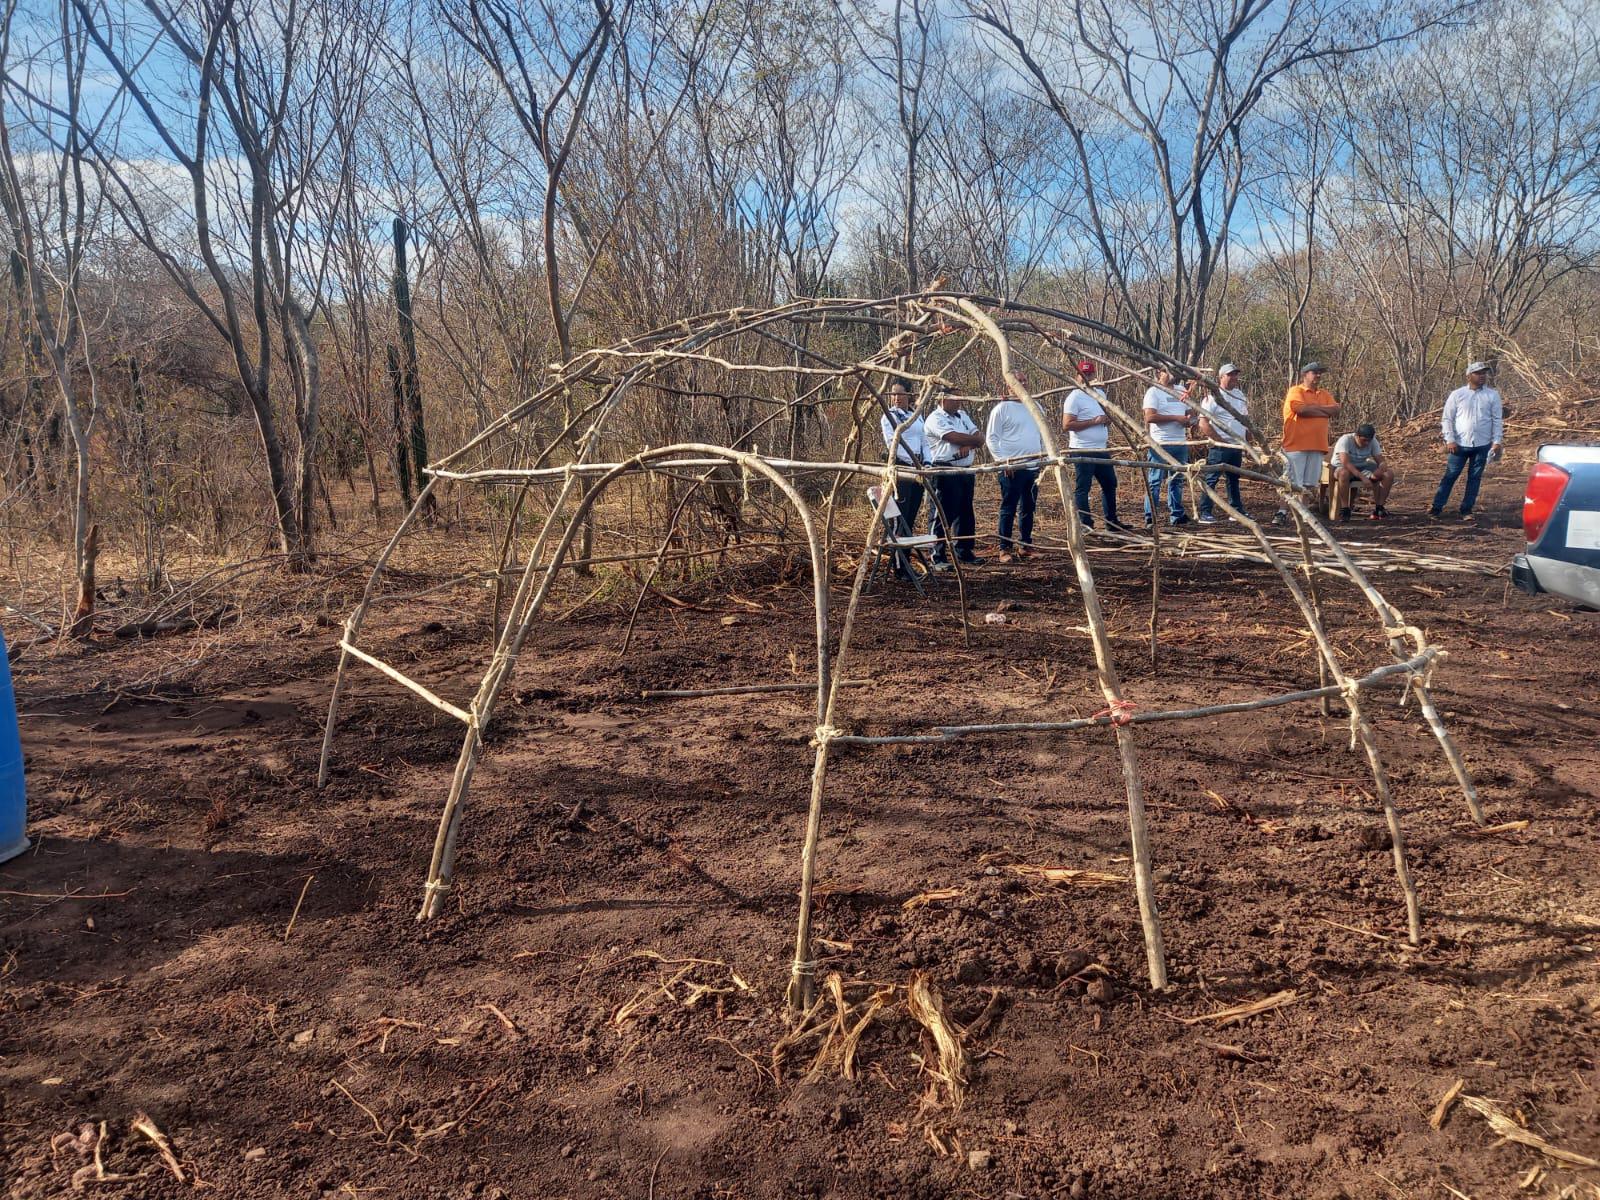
1447 1101
843 1012
1512 1132
648 997
142 1124
1232 1016
1069 876
1503 827
933 896
949 1071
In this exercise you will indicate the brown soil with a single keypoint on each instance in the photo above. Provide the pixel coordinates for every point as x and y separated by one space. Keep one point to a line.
595 1017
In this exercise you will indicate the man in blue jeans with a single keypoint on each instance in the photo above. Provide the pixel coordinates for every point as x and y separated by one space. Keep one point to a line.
1168 420
1083 416
1222 422
952 441
1014 442
1473 427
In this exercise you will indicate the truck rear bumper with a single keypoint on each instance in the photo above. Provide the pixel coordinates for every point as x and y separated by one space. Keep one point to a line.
1574 581
1522 575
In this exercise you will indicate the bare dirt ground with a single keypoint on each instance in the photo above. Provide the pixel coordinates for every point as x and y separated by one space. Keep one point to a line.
596 1015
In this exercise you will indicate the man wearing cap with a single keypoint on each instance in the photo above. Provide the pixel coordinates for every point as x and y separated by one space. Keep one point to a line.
1306 409
1357 457
1013 440
1222 422
953 440
1168 420
909 450
1474 430
1088 429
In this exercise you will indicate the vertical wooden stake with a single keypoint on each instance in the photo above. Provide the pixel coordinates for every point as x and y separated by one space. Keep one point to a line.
1105 664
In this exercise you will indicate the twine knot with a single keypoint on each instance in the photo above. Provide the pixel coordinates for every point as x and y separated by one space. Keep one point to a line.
825 734
800 969
1351 690
1120 711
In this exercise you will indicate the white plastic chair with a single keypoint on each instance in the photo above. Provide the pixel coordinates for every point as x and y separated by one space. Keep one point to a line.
902 548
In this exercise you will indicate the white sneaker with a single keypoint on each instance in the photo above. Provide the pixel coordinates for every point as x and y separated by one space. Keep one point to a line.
1208 519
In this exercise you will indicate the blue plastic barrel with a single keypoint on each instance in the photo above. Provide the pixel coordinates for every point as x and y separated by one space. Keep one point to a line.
13 796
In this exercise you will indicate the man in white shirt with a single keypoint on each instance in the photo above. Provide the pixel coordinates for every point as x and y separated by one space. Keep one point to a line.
1088 429
1358 456
1168 419
1222 422
909 450
1474 430
952 440
1013 441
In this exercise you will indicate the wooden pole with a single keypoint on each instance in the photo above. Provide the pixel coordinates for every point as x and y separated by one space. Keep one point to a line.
1361 727
352 627
802 971
1105 664
524 609
1316 604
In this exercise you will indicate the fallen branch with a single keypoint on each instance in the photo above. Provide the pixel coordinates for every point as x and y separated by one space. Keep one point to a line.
143 629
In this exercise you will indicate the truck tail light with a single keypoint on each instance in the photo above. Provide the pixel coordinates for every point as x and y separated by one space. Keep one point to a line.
1545 487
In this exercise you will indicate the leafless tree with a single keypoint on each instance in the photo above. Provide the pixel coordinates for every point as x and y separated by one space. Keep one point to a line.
904 48
52 212
271 82
1474 178
547 74
1160 100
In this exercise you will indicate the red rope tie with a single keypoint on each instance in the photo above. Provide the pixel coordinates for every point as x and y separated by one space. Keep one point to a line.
1121 712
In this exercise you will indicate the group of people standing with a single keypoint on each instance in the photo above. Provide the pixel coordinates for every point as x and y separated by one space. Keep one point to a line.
948 439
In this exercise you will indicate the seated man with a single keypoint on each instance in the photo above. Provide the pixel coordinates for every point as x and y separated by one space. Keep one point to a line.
1358 457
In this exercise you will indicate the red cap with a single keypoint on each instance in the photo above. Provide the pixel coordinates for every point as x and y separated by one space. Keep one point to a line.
1086 367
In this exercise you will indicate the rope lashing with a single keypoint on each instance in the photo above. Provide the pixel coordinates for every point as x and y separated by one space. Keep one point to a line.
1120 711
1351 690
801 969
825 734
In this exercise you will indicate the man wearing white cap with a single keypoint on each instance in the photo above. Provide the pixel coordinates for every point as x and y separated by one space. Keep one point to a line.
1222 422
1474 429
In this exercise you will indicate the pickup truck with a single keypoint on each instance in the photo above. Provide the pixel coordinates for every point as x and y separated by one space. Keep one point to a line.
1561 518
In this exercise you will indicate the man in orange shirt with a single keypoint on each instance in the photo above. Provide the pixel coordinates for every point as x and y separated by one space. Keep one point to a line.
1306 409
